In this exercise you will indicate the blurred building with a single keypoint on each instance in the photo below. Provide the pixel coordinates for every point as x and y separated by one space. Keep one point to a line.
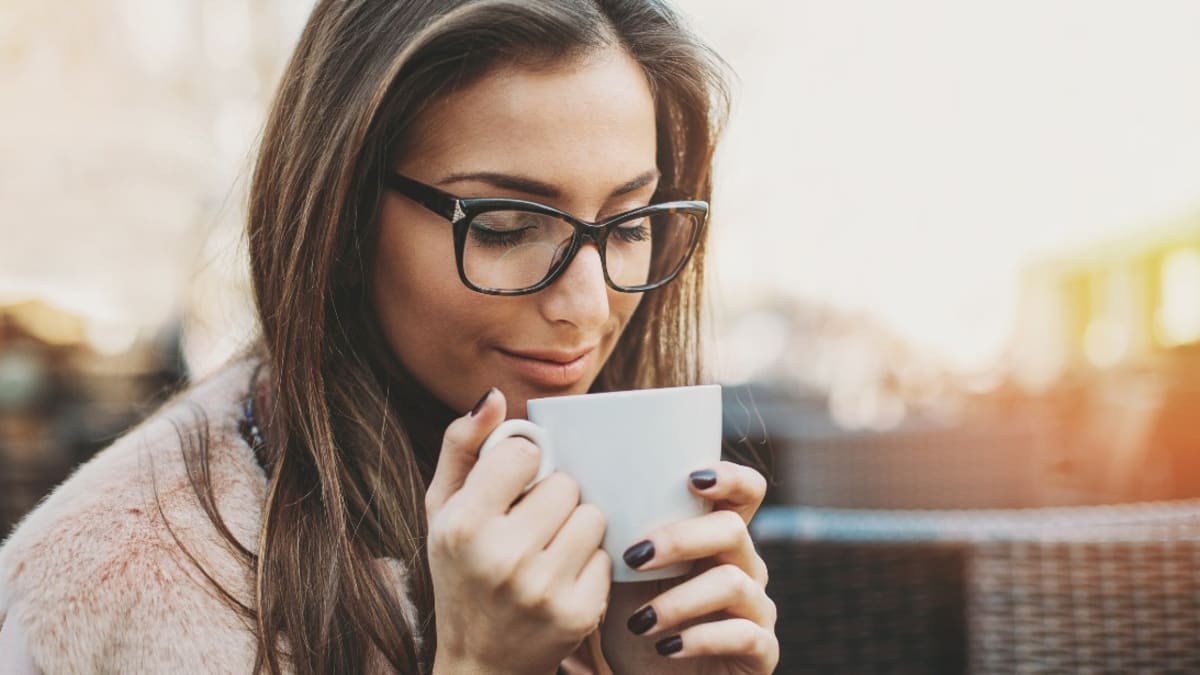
1121 304
1095 401
853 417
1110 337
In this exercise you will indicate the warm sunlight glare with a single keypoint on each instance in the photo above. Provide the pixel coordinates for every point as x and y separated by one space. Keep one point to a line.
1179 316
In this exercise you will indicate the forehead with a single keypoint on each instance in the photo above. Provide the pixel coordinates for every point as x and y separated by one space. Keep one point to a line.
591 114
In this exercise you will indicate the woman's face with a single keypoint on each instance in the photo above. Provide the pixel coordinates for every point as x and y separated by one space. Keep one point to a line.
579 137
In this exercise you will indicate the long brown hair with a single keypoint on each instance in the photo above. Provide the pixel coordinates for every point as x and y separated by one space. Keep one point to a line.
352 439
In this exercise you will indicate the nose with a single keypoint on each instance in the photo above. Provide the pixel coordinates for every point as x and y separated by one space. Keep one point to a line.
579 296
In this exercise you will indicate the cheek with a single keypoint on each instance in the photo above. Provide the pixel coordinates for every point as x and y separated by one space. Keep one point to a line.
416 290
622 307
434 325
408 270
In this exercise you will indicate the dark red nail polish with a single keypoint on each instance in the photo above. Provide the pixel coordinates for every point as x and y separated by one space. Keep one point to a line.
669 645
639 554
479 405
642 620
704 479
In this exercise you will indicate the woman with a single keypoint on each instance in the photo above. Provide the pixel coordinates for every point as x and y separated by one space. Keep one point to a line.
319 506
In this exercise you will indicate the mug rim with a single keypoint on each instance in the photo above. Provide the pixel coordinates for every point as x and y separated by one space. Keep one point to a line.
624 393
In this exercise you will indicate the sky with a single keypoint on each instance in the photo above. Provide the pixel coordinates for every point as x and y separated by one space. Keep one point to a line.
909 159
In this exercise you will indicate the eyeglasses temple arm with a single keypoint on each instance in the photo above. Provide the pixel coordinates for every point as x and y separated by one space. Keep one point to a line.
444 204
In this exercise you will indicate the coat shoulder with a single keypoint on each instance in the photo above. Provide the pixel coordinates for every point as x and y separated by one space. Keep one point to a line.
110 571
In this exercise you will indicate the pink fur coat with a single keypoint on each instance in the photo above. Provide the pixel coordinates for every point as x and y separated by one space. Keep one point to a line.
93 580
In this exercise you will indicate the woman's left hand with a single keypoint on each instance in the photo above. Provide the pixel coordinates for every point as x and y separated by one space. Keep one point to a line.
719 619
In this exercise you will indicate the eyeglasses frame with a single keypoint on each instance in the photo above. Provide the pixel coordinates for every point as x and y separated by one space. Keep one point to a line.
460 211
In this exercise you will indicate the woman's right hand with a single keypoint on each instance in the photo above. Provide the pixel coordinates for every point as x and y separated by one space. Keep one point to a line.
516 587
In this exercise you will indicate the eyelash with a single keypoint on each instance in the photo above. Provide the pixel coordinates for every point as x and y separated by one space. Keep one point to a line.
634 234
488 238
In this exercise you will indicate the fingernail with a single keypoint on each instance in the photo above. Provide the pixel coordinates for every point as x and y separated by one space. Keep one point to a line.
479 406
639 554
669 645
642 620
704 479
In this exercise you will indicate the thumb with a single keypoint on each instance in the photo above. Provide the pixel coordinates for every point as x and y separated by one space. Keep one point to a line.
460 448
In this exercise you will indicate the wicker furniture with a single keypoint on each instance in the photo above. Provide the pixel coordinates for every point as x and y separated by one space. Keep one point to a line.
1111 589
990 466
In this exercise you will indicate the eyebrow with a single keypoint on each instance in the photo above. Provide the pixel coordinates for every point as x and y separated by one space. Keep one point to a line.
537 188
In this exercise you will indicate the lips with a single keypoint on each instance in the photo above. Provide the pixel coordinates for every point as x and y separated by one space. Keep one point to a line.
550 368
561 357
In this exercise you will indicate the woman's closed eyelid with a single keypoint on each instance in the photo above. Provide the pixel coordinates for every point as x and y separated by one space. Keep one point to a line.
637 199
626 207
616 205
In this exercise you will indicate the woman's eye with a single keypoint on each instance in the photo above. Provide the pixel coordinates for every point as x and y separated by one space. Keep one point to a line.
489 237
636 230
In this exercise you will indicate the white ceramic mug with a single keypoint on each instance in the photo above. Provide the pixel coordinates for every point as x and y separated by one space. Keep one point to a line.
631 453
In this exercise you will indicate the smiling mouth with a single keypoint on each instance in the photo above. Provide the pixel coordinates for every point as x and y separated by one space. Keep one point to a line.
550 369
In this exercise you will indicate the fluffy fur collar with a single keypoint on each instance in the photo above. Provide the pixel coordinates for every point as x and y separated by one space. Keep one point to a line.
99 582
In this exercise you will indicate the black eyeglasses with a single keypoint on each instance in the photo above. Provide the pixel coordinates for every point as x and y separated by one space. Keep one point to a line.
515 247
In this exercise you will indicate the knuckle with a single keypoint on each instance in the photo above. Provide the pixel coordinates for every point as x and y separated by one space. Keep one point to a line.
749 587
458 542
450 532
731 522
563 484
772 612
606 564
751 640
591 517
458 434
764 642
601 606
489 561
764 573
590 625
531 591
758 484
520 450
580 626
735 579
576 620
502 564
733 532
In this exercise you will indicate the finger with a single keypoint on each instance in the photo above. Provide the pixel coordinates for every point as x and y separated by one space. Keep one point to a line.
499 478
720 535
460 448
594 581
541 512
586 596
576 542
731 487
724 588
757 646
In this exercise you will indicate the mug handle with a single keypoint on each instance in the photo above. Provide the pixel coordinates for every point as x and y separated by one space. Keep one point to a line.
528 430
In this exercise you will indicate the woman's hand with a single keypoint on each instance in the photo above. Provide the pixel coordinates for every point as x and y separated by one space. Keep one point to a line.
516 587
718 620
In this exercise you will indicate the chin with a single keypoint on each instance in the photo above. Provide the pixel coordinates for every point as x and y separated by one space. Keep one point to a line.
518 401
517 408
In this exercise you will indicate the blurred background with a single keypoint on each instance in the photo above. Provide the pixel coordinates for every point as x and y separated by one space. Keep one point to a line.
957 245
